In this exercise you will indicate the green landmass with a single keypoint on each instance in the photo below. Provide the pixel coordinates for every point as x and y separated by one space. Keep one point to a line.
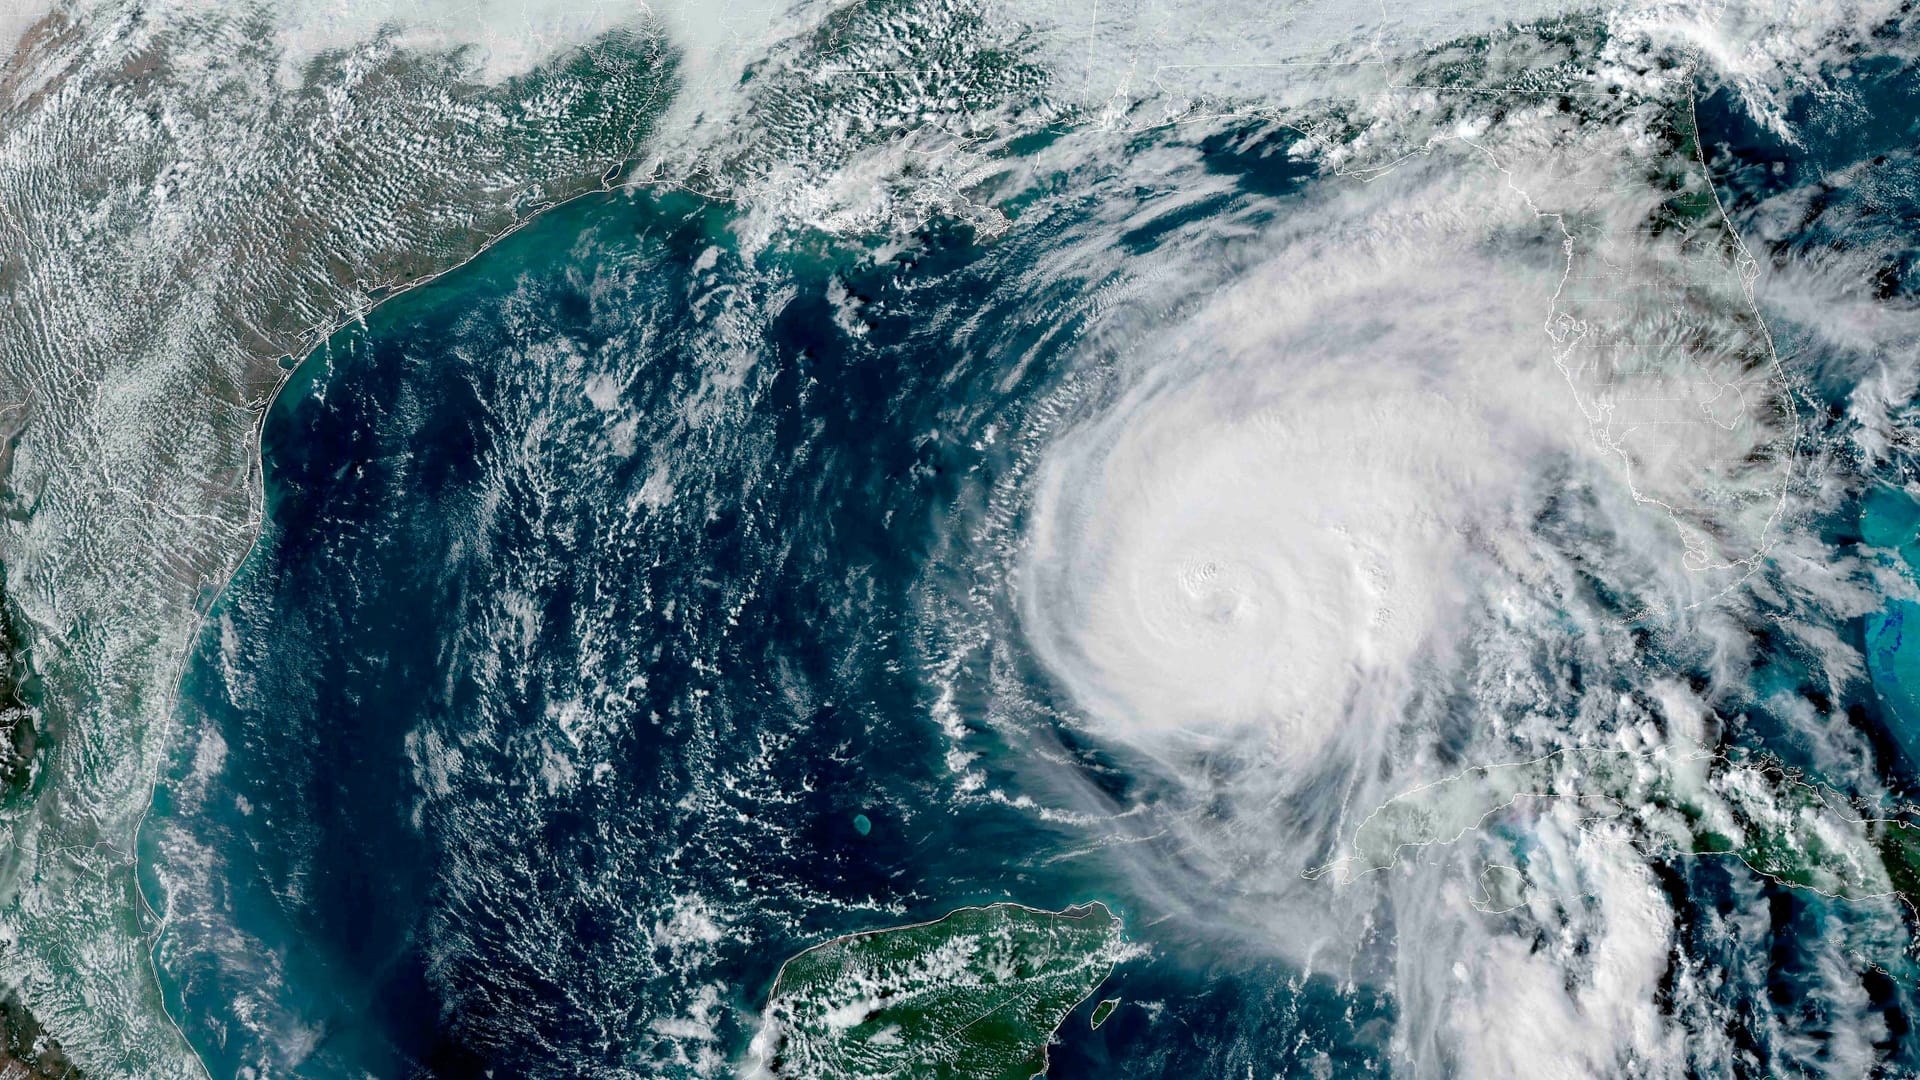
27 1052
976 995
20 736
1102 1011
1686 803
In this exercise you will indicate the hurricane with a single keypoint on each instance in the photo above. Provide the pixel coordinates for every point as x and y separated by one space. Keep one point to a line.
959 539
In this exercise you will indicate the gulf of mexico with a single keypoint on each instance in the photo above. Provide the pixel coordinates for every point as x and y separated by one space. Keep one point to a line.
533 732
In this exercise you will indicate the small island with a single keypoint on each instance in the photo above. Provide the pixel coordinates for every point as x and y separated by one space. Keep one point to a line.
1102 1011
975 995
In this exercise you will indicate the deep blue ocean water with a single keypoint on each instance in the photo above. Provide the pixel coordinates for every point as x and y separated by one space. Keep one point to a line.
590 620
587 601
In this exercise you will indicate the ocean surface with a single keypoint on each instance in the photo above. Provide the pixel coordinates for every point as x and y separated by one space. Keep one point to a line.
616 631
585 626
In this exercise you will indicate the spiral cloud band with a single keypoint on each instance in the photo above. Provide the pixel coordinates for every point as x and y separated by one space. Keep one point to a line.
1292 506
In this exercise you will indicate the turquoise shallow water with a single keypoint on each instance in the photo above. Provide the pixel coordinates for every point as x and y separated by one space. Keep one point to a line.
1890 519
594 657
577 679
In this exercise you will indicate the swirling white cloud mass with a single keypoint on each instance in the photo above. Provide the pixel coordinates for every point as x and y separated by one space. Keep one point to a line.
1487 433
